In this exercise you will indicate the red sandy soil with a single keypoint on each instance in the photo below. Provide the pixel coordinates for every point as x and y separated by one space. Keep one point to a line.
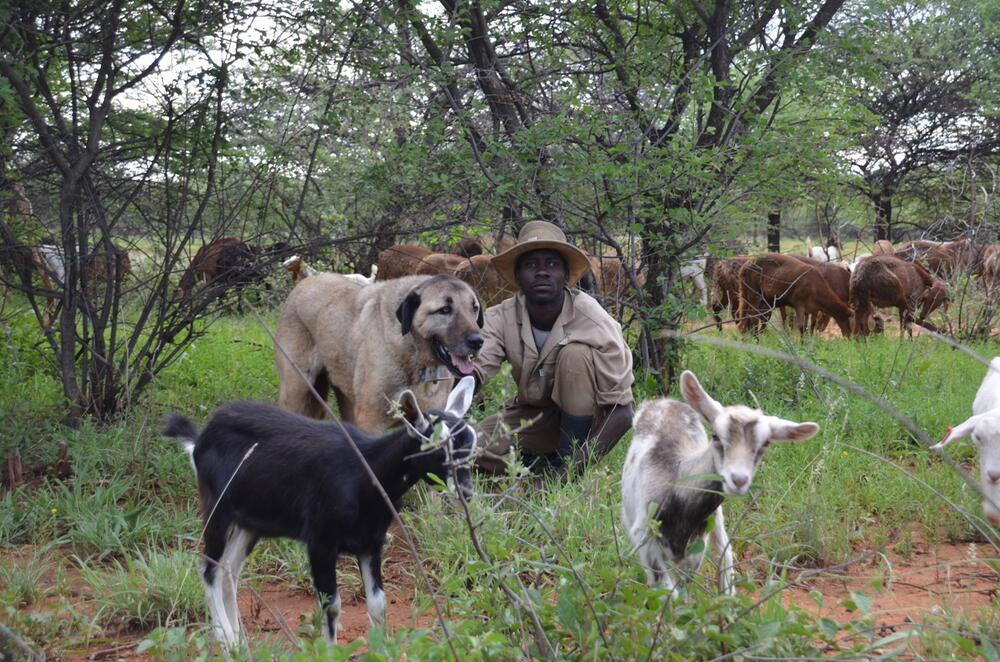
952 577
936 578
277 610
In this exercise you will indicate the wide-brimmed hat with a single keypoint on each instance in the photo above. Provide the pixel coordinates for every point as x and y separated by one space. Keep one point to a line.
540 235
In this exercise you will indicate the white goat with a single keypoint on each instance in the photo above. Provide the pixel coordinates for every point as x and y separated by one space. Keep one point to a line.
828 253
52 261
300 270
984 426
853 264
670 473
363 280
694 270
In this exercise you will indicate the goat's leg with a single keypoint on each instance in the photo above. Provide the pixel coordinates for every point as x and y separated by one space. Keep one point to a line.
699 283
323 563
801 320
724 549
690 564
213 575
905 322
238 548
658 568
371 575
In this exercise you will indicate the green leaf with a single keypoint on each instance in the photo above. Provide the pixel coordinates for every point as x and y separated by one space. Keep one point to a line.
830 627
862 601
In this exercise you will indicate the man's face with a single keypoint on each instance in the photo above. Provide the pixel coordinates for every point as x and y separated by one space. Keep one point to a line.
541 275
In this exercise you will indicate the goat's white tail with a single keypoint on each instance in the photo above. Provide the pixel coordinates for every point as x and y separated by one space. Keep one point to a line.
183 429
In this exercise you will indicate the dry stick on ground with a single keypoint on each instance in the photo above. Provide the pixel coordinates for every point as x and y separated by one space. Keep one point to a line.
846 384
20 645
276 615
375 483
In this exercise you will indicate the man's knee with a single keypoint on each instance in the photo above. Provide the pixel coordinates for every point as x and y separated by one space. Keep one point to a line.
575 357
574 390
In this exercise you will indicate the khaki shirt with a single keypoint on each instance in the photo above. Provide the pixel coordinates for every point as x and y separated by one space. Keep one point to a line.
507 335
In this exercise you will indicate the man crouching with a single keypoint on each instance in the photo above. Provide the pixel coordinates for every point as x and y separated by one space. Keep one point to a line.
571 364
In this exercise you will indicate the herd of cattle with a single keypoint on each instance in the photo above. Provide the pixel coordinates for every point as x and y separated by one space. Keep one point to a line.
818 289
912 279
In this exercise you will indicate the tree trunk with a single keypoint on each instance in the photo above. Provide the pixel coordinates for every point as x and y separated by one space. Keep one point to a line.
883 215
774 232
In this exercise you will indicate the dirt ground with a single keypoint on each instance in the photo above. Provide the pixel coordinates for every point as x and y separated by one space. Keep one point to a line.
904 591
276 611
952 577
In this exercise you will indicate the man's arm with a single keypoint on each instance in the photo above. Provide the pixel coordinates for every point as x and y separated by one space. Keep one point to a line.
493 353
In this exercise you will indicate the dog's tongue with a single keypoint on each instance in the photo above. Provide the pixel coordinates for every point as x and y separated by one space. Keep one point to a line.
462 364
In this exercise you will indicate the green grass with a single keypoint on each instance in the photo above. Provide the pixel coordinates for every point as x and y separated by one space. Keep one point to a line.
129 514
147 590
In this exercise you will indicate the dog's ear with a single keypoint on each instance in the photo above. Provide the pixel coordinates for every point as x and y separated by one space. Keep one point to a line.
407 310
479 320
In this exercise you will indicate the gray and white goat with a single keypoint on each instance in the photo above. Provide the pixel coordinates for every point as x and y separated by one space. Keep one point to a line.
984 426
675 473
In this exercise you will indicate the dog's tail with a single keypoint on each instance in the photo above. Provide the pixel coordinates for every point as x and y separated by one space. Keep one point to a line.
183 429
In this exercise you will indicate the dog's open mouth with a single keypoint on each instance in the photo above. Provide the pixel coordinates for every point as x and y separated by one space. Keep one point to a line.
459 365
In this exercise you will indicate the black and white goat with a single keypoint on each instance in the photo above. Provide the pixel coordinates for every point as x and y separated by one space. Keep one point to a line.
675 474
984 426
266 472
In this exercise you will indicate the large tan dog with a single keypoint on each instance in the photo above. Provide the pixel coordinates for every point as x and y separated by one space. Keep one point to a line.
369 342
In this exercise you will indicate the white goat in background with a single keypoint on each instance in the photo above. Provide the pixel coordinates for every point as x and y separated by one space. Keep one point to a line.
984 426
673 472
694 270
828 253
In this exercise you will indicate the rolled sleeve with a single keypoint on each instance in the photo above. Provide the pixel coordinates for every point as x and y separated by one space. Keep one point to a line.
613 373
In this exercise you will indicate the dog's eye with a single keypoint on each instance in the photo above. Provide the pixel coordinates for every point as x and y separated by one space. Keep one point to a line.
445 311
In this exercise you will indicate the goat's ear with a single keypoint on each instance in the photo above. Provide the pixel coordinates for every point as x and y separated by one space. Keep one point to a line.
696 396
407 310
411 410
963 429
460 398
782 430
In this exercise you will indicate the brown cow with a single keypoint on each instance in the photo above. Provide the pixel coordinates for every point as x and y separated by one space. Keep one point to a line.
945 259
468 247
883 247
204 266
726 287
401 260
439 263
478 271
837 277
989 269
890 282
609 275
611 282
773 281
97 265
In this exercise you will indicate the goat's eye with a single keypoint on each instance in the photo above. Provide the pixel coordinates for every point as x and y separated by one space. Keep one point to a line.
445 311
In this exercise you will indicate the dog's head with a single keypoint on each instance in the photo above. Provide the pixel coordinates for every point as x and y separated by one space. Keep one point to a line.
446 313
